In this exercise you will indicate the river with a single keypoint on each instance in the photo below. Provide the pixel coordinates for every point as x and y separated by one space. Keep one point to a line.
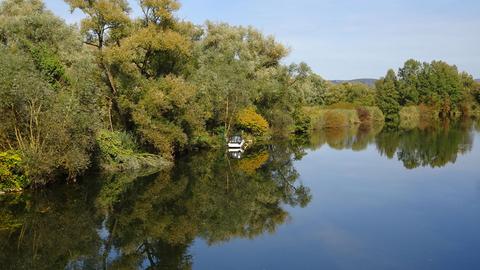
356 198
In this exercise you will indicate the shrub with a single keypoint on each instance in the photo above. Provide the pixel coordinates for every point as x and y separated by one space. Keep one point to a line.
409 117
282 123
302 122
119 152
376 114
249 120
315 115
428 113
364 115
342 105
11 177
333 118
326 118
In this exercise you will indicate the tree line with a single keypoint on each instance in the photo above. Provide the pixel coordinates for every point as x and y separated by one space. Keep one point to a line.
124 91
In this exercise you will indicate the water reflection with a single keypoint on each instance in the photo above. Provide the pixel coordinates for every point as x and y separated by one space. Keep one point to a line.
134 221
131 221
432 147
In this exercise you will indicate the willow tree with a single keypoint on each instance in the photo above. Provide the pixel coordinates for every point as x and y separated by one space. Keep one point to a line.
105 24
47 92
149 62
237 67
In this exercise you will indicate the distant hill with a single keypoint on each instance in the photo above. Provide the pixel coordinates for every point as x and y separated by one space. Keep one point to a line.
367 81
477 80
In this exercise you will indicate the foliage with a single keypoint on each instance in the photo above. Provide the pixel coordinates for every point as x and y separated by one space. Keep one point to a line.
11 175
388 96
376 114
167 116
249 120
433 147
174 86
119 152
48 115
476 92
49 64
409 117
353 93
105 21
364 115
334 118
436 85
320 118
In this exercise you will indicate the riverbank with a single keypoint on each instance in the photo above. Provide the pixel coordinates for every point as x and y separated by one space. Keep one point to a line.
117 153
275 198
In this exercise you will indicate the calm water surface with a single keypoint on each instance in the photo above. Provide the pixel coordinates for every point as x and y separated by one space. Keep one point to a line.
358 198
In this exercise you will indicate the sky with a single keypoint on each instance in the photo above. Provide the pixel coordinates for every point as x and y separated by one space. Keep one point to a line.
348 39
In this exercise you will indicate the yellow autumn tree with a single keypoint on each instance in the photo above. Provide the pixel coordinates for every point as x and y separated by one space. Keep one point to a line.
249 120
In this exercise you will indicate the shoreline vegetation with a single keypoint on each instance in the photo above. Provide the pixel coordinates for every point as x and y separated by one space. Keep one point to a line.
119 93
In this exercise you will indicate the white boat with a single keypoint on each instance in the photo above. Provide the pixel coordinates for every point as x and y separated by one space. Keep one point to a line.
236 142
235 152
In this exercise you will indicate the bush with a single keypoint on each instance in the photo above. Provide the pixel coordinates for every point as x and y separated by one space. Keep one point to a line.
333 118
316 117
282 123
418 116
428 113
302 122
11 177
364 115
342 106
249 120
119 152
409 117
326 118
376 114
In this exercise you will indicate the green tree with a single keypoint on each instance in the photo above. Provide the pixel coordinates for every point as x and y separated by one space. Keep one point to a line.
388 96
409 82
440 86
105 24
48 114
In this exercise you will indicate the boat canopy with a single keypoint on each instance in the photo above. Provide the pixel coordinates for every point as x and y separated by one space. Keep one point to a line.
235 139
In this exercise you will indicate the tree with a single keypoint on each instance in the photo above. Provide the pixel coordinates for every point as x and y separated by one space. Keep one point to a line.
353 93
440 86
105 24
251 121
308 87
237 67
409 82
388 96
47 114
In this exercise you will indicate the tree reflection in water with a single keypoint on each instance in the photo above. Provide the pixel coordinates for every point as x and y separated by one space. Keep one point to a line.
133 221
130 221
435 146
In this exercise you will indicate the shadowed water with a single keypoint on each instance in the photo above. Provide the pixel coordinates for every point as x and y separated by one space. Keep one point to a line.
359 198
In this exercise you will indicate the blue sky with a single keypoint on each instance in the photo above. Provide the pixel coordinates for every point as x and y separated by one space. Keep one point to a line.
344 39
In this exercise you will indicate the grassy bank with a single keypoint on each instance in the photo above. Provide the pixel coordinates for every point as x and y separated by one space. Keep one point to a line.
318 117
115 152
